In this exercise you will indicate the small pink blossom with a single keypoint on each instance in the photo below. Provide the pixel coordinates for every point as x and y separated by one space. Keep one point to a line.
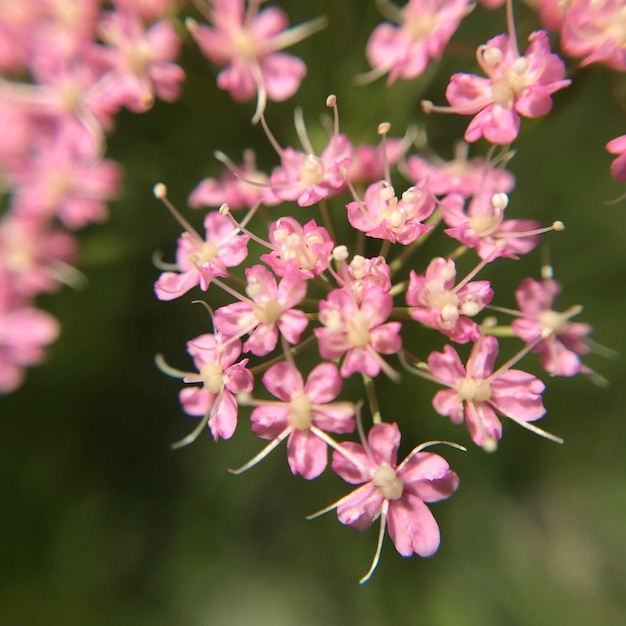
304 249
246 41
368 164
618 167
25 333
304 413
397 493
596 30
516 85
477 394
60 182
362 271
423 31
467 177
268 311
141 61
357 330
381 215
34 254
307 178
241 186
562 341
436 302
199 260
484 228
221 377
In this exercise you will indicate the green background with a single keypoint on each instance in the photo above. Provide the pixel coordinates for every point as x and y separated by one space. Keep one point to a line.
103 524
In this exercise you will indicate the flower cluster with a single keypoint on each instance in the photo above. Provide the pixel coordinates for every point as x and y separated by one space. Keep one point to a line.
355 309
342 279
67 69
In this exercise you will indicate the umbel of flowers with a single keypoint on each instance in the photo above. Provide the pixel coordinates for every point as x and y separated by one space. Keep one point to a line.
312 292
69 67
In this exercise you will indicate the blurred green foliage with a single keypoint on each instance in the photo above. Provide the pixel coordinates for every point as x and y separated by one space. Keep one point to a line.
103 525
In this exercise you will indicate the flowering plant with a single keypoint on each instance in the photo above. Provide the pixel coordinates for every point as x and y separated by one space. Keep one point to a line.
343 278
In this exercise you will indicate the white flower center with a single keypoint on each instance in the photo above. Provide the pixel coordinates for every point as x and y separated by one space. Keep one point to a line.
312 172
212 377
267 312
474 390
244 45
389 485
204 253
301 412
358 329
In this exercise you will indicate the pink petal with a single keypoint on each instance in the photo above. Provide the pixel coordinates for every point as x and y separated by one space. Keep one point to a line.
412 527
361 507
483 357
306 453
323 384
428 477
284 381
384 441
448 403
446 366
282 74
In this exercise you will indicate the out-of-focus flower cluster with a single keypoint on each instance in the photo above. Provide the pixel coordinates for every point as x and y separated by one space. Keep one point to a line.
68 67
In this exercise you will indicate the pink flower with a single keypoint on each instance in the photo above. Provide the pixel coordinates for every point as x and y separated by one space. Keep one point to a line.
441 305
141 61
516 85
60 182
383 216
305 412
221 378
268 310
356 330
34 254
618 167
302 249
25 332
461 175
425 27
478 395
396 493
241 186
595 30
484 228
368 164
307 178
361 272
562 341
247 41
199 260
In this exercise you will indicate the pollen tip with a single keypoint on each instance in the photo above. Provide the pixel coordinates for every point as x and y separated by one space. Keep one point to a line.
547 272
558 226
427 106
340 253
224 209
500 200
331 101
384 128
160 191
490 445
190 24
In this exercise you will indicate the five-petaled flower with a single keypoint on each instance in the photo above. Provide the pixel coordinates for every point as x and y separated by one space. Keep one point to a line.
478 395
516 85
397 493
303 414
